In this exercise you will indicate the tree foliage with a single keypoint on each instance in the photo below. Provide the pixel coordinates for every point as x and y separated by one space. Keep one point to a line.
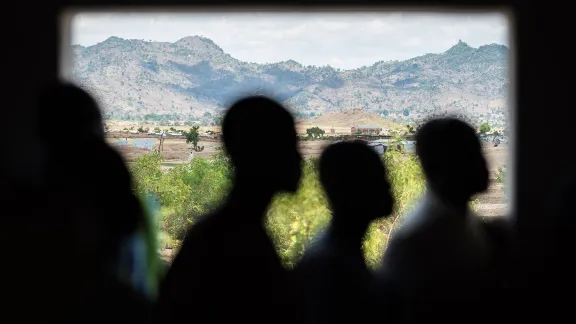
412 129
315 132
193 136
293 220
408 183
184 192
485 128
198 187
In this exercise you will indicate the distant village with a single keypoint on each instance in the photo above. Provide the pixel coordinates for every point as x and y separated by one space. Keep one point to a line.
377 137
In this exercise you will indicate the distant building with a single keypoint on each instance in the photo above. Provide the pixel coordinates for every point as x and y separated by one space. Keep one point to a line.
366 130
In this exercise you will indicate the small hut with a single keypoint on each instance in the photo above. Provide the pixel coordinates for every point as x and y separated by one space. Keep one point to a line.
366 130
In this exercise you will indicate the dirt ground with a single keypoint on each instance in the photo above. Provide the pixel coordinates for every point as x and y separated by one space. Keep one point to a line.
117 125
342 121
176 151
493 201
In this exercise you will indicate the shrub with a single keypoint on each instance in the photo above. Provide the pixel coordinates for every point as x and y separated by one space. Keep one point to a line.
407 179
293 220
501 174
198 187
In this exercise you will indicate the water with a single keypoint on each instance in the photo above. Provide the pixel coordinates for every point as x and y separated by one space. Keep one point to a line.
408 145
145 144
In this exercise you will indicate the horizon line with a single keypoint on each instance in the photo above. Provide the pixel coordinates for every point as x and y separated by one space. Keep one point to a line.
271 63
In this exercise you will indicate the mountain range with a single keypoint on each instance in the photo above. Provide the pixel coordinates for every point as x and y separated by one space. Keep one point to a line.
194 79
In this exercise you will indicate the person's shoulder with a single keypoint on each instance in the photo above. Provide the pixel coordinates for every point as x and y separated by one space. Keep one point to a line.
410 234
315 255
318 255
114 299
400 243
406 248
207 233
201 229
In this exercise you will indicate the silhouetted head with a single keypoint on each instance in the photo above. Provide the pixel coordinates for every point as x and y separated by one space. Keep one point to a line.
355 182
260 137
67 107
452 159
101 210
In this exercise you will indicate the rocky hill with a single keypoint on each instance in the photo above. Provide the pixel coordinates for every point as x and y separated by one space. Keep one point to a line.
195 79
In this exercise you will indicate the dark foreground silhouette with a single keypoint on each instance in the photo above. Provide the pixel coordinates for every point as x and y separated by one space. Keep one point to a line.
95 211
557 263
441 258
227 269
440 265
332 274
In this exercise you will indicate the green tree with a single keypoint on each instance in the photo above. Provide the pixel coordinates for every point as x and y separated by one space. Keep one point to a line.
157 129
193 137
198 187
408 183
412 129
293 220
184 192
315 132
146 172
485 128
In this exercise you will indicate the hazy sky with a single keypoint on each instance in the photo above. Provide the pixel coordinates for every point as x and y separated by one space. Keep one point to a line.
344 40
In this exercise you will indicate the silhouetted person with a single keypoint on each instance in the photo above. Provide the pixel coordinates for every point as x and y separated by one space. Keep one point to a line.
333 274
96 210
563 221
441 257
558 235
227 269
